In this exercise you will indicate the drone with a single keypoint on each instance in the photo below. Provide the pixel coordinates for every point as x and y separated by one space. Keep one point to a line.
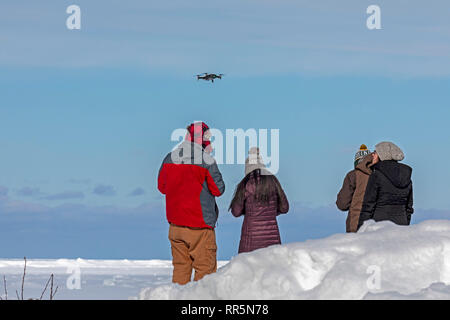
209 76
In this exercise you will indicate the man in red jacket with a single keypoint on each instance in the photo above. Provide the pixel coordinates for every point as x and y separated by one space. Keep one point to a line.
190 179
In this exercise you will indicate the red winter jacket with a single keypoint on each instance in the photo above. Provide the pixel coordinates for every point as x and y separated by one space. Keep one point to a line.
190 179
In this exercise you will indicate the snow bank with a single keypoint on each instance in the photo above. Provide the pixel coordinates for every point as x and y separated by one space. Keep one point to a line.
381 261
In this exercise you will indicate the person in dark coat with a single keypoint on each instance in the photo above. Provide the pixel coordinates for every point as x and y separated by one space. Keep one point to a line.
260 198
389 191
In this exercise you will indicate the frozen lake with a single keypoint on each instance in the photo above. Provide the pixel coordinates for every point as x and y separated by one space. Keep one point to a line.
84 279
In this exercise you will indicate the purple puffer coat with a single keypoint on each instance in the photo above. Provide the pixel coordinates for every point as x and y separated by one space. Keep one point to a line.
260 227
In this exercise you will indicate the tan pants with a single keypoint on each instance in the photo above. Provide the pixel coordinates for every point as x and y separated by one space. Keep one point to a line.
192 248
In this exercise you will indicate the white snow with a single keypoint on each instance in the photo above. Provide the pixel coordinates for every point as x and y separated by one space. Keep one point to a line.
381 261
98 279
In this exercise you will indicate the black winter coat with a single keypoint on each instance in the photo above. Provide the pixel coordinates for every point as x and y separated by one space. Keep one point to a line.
389 194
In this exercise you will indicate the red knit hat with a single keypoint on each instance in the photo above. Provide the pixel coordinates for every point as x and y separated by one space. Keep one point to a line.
196 133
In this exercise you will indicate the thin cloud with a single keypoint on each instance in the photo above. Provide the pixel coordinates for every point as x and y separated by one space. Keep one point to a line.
104 190
137 192
284 36
3 191
65 196
29 192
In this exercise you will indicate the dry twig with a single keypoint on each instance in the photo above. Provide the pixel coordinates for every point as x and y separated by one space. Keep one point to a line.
20 297
6 290
46 285
52 294
23 277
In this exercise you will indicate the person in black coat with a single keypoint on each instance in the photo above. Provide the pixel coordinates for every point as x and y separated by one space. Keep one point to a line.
389 192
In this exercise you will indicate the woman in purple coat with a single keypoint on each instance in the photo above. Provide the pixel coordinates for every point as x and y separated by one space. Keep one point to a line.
260 198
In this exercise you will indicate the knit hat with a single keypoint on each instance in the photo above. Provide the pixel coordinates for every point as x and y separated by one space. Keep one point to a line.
254 161
196 133
389 151
362 152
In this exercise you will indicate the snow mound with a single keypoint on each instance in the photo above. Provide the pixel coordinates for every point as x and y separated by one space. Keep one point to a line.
381 261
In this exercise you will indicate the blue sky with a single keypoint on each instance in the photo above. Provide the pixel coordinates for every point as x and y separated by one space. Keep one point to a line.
86 115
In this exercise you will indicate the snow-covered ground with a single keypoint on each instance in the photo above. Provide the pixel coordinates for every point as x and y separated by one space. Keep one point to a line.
382 261
84 279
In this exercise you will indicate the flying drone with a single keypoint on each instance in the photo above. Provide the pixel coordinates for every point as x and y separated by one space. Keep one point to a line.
209 76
